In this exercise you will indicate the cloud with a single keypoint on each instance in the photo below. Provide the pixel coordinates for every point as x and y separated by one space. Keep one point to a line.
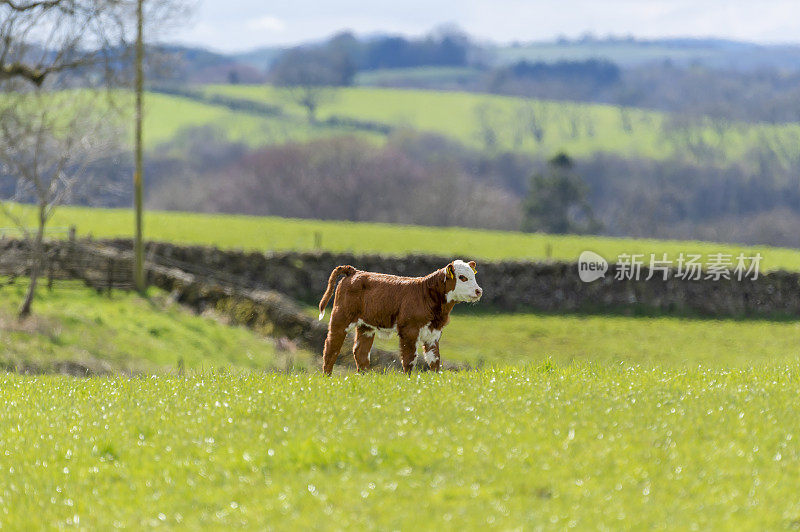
266 23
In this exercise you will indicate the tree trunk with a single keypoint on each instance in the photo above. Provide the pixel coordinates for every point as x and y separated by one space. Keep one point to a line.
37 261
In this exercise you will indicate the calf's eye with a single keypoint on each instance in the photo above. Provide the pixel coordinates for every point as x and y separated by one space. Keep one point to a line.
463 278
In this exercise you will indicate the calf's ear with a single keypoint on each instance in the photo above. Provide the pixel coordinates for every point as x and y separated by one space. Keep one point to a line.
472 265
451 271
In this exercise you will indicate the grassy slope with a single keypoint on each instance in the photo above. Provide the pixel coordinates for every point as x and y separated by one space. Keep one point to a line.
272 233
580 129
167 115
127 332
597 127
555 447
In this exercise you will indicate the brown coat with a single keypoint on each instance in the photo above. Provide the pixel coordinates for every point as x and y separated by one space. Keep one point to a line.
416 308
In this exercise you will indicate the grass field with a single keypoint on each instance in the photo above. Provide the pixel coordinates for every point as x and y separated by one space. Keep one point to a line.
580 129
578 446
166 116
126 333
272 233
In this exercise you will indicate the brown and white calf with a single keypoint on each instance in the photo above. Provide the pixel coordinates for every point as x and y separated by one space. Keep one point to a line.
416 308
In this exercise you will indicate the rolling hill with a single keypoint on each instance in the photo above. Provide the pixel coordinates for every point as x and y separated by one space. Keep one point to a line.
480 121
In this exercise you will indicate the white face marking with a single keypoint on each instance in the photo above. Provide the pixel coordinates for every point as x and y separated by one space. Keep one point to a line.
321 314
465 291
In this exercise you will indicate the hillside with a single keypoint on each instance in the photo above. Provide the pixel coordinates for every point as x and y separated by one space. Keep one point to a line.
74 325
480 121
517 124
168 115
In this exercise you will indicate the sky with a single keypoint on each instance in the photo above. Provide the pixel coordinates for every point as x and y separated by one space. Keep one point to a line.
239 25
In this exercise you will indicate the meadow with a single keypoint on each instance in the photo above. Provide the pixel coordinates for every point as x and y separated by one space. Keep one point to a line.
551 446
281 234
569 421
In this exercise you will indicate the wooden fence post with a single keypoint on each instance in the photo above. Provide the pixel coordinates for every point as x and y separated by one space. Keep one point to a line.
110 276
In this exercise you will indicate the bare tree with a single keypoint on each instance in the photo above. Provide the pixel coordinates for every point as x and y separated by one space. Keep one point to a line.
46 38
80 41
46 141
50 131
309 77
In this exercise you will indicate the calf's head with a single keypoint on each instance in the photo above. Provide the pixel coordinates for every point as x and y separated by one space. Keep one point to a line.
460 283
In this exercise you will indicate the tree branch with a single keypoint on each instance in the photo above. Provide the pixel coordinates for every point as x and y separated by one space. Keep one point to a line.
46 4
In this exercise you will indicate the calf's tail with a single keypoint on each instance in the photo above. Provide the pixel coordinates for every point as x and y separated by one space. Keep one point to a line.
337 271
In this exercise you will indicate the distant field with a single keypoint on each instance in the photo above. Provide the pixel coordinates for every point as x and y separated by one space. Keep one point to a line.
272 233
167 115
577 446
125 333
481 121
580 129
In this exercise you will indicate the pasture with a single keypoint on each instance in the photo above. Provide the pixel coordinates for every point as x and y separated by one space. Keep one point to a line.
581 445
281 234
580 421
481 121
579 129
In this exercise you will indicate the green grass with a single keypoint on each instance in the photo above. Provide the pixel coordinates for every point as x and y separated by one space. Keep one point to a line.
583 446
606 340
580 129
272 233
125 332
166 116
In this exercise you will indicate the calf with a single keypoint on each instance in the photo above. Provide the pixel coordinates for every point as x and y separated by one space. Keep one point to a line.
416 308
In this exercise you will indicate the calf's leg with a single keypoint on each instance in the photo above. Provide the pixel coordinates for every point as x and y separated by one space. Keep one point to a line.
408 347
436 364
337 331
364 338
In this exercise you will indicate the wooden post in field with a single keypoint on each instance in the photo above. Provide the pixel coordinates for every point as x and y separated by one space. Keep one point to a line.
138 247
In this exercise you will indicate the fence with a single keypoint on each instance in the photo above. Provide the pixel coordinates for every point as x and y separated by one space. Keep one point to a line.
508 285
